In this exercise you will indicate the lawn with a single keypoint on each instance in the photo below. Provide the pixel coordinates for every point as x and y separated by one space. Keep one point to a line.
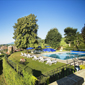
36 66
2 82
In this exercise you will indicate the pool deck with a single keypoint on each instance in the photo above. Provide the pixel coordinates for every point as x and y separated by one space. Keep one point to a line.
63 61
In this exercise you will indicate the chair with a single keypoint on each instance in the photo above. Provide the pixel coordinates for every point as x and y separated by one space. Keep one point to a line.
22 54
25 55
46 59
28 55
40 57
42 60
31 56
35 58
54 61
51 62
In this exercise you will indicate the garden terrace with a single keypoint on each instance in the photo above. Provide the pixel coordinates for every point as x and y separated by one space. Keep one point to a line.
38 68
36 65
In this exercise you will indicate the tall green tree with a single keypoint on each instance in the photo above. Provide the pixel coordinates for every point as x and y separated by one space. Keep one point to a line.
79 42
53 38
25 31
83 32
70 34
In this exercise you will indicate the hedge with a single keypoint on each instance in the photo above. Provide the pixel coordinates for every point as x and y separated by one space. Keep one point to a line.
12 77
82 66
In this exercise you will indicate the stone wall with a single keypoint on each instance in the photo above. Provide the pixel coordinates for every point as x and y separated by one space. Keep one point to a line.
10 49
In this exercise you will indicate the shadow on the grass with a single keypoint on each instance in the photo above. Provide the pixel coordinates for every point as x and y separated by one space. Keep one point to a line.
24 63
36 73
83 59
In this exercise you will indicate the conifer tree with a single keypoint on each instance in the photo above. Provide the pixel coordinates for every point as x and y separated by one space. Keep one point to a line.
83 33
25 31
70 34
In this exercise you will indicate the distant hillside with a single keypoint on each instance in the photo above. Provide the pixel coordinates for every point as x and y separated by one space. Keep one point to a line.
8 43
11 43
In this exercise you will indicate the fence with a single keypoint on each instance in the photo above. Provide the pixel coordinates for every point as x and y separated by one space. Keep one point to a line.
52 75
13 65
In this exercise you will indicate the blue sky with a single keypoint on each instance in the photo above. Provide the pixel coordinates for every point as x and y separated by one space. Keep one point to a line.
50 14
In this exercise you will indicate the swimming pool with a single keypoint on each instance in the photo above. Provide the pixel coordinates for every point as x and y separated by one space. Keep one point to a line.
65 56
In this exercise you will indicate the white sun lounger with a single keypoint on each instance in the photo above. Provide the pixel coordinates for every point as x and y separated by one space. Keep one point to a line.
35 58
25 55
51 62
46 59
29 56
22 54
43 59
40 57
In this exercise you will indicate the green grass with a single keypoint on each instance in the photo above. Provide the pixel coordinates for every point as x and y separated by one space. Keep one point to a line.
2 82
36 66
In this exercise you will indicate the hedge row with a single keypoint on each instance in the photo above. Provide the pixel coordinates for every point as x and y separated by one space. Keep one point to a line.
12 77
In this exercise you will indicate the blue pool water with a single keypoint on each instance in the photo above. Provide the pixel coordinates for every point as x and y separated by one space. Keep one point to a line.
65 56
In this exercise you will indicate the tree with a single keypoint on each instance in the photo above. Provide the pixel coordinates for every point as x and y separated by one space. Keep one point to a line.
70 34
25 31
63 43
83 32
53 38
79 42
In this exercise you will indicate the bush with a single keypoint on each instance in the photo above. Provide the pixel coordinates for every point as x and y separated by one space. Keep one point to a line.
12 77
82 66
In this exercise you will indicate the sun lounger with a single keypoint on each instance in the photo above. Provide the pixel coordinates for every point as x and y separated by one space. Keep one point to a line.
22 54
40 57
46 59
51 62
25 55
35 58
28 55
42 60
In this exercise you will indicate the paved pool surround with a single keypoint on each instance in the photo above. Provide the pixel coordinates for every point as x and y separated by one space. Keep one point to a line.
59 60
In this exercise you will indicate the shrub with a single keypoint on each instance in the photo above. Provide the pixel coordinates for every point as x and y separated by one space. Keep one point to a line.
12 77
82 66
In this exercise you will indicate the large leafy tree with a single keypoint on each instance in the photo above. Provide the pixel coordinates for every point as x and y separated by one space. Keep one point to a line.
70 34
25 31
53 38
83 32
79 42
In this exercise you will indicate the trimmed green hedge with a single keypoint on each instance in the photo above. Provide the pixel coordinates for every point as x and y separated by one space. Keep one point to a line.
12 77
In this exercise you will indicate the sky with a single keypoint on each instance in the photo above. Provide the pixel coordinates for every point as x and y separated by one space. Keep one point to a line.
50 14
